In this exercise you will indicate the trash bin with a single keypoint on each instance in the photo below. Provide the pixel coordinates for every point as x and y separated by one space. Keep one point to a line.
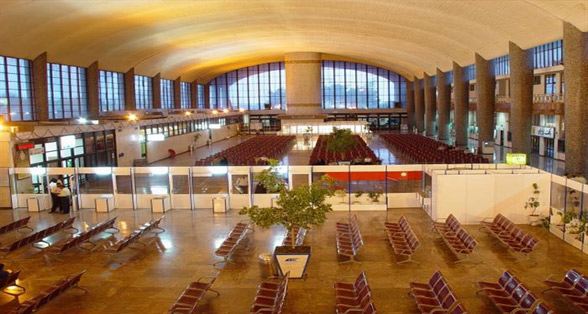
267 266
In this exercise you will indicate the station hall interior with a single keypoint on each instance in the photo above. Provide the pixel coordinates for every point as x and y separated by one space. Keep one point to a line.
263 156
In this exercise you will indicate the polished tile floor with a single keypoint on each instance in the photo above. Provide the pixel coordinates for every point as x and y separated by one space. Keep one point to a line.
149 280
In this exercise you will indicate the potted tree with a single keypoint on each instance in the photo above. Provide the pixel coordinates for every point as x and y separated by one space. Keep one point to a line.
341 194
533 204
340 141
303 206
374 196
358 195
307 134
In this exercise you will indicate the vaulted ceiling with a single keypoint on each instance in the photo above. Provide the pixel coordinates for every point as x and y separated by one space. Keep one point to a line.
200 39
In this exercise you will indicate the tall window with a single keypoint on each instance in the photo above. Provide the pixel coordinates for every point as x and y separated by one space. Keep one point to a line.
347 85
167 94
66 91
112 91
185 91
200 96
471 72
258 87
548 55
16 89
502 65
550 86
143 92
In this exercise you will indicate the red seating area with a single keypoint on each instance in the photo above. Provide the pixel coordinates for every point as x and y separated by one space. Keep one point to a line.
192 295
456 238
147 227
84 237
299 234
402 239
233 240
270 296
248 152
573 287
321 155
509 234
424 150
16 225
436 296
38 237
355 297
510 295
349 239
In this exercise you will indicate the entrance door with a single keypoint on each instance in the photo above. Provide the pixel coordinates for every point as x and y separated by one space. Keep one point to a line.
549 146
535 148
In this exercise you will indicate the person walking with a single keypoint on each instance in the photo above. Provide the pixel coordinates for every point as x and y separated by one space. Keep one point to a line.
54 191
64 195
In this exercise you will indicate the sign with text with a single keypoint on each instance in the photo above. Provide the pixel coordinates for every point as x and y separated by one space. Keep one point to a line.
516 159
543 131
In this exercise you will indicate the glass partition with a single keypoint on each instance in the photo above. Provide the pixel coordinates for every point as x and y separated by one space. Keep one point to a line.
181 184
240 184
404 181
212 184
151 183
95 183
558 204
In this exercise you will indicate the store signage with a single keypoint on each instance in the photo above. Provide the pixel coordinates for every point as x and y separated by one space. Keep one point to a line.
36 151
543 131
68 141
25 146
516 159
155 137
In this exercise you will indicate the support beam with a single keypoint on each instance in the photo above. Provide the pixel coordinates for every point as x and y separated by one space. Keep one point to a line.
194 94
430 106
461 95
410 107
486 85
93 81
207 97
419 104
40 87
130 101
521 105
178 93
157 91
576 113
443 105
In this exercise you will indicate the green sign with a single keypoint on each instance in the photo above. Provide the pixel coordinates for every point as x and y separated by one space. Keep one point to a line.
516 159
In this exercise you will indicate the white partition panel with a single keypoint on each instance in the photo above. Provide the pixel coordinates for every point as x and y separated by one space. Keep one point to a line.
239 200
218 187
179 187
123 194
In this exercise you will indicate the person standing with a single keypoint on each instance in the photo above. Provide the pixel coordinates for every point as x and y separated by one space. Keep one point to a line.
54 191
64 195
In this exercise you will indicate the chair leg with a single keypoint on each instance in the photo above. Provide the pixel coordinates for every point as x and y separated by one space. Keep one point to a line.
217 293
83 289
15 294
408 260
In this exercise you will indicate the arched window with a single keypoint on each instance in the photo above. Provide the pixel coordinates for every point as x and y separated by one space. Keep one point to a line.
258 87
348 85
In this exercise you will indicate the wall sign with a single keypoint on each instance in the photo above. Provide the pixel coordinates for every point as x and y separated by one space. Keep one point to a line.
543 131
516 159
36 151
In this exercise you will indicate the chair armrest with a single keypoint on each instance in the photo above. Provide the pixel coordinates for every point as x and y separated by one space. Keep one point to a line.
208 277
486 219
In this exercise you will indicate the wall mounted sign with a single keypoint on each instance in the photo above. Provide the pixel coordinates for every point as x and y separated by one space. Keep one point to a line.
25 146
543 131
516 159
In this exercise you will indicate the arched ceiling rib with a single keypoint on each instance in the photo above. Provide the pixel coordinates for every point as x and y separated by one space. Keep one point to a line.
202 39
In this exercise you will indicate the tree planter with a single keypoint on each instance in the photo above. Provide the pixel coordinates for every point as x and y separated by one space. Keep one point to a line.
293 260
572 239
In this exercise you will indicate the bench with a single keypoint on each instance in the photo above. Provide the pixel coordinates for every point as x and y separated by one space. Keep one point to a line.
299 234
192 295
509 234
16 225
83 237
38 237
355 297
435 296
403 240
11 282
270 296
32 305
456 237
134 237
510 295
349 239
233 240
573 287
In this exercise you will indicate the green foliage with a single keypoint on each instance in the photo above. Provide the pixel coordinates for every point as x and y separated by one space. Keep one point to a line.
358 193
270 178
374 196
303 206
196 137
533 201
340 141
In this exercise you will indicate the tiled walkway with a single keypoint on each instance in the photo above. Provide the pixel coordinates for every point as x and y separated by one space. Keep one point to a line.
149 280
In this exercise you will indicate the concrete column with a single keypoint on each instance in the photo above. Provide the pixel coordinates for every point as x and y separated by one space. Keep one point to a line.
430 106
303 83
410 108
576 89
40 87
521 95
157 91
93 81
485 89
443 104
207 97
178 93
130 102
461 95
419 104
194 94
